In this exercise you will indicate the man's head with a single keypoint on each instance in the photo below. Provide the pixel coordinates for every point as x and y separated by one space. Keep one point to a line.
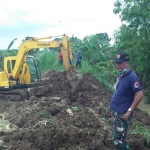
121 61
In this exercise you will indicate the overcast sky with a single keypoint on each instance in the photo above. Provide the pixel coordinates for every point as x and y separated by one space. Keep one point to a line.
40 18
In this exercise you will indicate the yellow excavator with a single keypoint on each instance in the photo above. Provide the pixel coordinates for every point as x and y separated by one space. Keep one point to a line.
21 73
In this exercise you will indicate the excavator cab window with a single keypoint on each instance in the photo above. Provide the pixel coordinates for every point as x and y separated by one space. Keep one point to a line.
10 65
33 69
13 63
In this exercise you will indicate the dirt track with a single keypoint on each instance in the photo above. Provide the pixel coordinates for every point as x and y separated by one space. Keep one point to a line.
44 123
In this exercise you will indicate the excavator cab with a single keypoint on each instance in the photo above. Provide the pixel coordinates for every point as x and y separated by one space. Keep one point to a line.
28 75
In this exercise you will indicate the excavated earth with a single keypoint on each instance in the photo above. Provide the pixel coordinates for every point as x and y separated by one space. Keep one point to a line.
60 120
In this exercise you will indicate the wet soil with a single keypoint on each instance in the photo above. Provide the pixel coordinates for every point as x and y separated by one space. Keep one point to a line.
60 120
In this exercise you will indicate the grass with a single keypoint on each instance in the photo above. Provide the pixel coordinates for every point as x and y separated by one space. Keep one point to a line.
43 114
144 131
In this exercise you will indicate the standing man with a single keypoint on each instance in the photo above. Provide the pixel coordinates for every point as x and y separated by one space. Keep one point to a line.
79 57
60 58
125 99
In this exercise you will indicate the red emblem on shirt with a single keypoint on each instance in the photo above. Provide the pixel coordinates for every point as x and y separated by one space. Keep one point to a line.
136 84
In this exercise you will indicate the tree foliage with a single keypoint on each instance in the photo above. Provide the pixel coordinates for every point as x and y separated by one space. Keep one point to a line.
11 43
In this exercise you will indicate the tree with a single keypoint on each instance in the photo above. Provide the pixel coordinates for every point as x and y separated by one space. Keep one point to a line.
11 43
133 36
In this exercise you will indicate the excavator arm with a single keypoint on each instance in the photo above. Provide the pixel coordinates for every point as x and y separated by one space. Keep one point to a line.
32 43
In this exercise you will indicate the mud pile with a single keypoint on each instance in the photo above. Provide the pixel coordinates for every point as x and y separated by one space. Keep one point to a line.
59 120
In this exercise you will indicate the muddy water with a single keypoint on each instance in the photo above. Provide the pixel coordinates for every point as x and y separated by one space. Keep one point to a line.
143 106
3 122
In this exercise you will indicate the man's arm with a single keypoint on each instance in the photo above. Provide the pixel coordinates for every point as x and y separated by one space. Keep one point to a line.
138 97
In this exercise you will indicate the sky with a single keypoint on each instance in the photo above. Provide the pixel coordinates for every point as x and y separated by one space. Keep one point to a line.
41 18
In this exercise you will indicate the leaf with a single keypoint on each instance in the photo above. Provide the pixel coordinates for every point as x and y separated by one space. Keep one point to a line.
11 43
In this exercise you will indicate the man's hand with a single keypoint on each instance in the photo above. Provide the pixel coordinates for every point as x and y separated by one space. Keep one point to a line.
126 116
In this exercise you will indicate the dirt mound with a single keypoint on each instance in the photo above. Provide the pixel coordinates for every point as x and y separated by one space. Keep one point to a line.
60 120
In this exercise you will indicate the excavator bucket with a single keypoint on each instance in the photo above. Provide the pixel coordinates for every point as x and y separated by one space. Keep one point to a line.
75 79
67 54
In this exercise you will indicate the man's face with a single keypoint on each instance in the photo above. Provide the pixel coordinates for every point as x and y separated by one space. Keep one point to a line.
120 66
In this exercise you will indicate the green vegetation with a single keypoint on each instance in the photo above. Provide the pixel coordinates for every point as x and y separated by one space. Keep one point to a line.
44 114
48 61
144 131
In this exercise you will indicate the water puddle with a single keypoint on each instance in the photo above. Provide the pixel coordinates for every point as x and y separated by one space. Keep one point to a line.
3 124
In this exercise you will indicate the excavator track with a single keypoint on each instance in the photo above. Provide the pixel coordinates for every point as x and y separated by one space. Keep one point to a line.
14 95
22 94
